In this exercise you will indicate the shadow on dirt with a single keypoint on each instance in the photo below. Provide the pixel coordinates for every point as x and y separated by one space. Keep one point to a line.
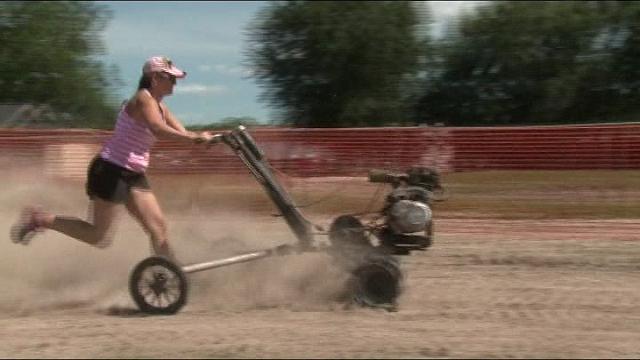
124 312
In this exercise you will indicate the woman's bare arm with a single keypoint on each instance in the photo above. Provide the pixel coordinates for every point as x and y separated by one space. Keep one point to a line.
150 112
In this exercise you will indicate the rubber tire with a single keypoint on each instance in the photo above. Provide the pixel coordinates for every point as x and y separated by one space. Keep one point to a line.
340 236
139 299
381 268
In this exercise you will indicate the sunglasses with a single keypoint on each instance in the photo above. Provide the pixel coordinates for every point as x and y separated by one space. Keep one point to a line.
169 77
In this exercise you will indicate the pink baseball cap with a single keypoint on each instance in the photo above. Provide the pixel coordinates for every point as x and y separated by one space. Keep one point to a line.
162 64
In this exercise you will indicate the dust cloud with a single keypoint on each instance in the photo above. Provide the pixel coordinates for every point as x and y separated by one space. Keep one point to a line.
57 272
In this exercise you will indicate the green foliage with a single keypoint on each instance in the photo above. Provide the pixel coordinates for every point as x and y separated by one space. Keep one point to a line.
370 63
610 87
511 62
337 63
48 56
521 62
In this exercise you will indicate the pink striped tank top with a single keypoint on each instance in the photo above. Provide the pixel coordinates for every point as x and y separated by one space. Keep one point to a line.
130 143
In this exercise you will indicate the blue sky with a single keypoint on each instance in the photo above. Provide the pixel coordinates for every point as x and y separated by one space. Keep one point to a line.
206 39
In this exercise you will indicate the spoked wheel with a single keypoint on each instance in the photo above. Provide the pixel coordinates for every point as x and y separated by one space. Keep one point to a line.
158 286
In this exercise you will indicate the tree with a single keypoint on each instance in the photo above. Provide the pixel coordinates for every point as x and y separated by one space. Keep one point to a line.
511 62
610 86
49 56
336 63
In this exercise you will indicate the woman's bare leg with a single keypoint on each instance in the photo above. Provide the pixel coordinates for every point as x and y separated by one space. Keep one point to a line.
96 230
144 207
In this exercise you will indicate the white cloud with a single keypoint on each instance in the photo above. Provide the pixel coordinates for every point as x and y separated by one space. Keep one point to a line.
201 89
230 70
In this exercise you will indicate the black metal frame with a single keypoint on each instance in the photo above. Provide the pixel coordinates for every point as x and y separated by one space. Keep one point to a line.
245 147
364 267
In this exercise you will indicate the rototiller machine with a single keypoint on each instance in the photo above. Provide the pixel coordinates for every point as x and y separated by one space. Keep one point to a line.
365 246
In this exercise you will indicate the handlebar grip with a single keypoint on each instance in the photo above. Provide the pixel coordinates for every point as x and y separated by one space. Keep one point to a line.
217 138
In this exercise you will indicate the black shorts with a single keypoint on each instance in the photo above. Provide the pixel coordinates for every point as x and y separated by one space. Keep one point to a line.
111 182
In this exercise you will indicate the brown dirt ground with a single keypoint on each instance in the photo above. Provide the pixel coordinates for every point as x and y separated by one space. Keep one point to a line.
488 288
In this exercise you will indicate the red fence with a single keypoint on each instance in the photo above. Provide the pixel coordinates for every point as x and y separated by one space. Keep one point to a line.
551 147
352 152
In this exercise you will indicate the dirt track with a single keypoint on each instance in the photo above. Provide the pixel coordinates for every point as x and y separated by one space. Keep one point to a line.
487 288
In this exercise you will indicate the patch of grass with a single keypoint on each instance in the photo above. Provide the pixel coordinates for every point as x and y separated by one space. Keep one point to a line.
597 194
